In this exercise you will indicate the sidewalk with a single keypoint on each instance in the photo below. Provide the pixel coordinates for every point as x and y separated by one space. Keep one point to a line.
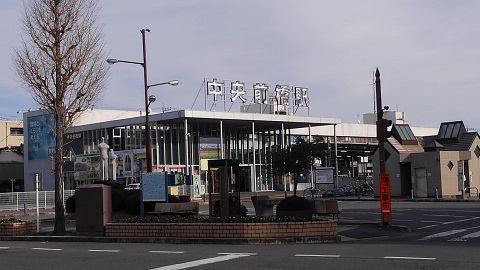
347 230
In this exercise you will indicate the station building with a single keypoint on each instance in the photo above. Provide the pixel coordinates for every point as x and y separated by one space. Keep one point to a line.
184 140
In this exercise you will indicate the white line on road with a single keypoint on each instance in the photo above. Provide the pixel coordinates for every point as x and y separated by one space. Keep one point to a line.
103 250
4 247
49 249
167 252
201 262
317 255
446 223
442 234
409 258
431 221
236 253
465 237
430 215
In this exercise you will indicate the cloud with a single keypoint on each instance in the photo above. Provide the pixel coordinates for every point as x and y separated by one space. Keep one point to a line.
425 50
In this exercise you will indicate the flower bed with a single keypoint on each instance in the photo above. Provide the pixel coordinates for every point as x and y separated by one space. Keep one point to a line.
223 229
14 227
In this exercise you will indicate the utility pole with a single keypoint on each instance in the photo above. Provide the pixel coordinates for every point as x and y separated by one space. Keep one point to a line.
382 136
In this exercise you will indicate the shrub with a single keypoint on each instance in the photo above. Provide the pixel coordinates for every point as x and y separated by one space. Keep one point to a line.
232 209
70 204
294 203
11 220
118 199
203 219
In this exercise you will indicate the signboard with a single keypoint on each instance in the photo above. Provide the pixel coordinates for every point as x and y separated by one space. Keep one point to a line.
385 200
41 136
324 176
256 93
154 187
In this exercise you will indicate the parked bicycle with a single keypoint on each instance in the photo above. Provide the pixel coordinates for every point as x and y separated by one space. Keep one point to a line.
312 193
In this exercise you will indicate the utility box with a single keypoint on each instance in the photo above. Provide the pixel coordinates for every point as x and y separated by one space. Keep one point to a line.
93 205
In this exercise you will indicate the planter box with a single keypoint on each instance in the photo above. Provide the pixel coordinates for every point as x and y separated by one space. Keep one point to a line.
224 230
306 214
20 228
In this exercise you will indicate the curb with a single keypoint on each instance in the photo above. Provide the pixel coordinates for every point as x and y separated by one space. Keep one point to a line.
156 240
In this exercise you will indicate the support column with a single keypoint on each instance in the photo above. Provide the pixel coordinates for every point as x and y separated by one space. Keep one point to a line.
336 154
187 152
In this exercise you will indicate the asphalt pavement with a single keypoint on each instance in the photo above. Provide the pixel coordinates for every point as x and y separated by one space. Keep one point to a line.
348 230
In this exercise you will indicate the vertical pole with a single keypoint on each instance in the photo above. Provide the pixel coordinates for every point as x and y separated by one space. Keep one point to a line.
142 210
254 163
381 145
336 154
283 147
148 141
221 140
187 154
37 202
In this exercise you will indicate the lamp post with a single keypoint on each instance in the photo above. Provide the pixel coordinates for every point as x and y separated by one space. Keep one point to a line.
148 142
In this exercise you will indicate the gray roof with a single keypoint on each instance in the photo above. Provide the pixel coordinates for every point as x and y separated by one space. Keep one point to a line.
464 142
10 157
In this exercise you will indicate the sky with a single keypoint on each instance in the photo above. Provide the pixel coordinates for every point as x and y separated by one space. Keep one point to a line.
426 51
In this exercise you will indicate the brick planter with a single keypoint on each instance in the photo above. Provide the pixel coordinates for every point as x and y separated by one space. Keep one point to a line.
224 230
19 228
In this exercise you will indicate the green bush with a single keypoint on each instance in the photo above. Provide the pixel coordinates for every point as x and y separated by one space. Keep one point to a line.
294 203
232 209
11 220
70 204
203 219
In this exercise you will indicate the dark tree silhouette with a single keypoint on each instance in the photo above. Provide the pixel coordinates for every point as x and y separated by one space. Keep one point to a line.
62 63
296 159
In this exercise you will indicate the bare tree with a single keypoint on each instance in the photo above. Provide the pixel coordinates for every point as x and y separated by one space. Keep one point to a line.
62 63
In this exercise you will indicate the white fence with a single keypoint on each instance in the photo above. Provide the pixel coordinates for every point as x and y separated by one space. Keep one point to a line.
28 200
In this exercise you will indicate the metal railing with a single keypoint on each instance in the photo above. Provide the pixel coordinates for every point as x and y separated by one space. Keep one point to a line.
21 200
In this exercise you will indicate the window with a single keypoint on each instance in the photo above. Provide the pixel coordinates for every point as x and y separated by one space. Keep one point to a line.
16 131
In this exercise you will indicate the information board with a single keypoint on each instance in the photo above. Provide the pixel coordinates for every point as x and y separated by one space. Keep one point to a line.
154 187
324 176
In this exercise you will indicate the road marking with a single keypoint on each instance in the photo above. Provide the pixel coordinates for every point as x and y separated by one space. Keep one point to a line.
446 223
167 252
442 234
236 253
409 258
317 255
49 249
430 215
431 221
201 262
103 250
4 247
465 237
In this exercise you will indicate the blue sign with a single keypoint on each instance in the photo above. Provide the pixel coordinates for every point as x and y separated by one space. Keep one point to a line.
41 136
154 187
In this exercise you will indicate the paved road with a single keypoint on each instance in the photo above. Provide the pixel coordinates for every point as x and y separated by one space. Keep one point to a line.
425 221
72 256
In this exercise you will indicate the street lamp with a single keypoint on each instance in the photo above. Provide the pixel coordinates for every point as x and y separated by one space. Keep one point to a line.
148 142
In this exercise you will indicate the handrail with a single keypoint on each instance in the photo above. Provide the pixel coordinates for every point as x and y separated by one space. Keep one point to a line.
468 188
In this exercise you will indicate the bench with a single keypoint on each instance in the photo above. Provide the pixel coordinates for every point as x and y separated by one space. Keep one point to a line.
181 208
264 205
327 207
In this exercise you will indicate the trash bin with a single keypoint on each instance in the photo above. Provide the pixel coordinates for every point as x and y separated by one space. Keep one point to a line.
93 208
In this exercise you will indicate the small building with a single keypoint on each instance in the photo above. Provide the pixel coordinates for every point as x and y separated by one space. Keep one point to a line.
443 165
11 170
